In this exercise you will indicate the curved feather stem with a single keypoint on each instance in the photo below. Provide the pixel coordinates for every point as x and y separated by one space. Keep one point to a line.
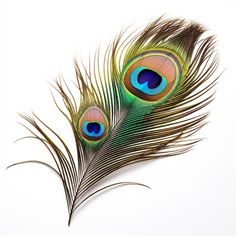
101 190
36 162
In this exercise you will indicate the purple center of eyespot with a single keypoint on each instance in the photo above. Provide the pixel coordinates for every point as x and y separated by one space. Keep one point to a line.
93 127
153 78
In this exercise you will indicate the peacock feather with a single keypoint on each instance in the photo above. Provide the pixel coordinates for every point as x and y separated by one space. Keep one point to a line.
142 100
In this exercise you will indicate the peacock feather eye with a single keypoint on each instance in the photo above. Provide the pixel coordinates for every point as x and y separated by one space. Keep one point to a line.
93 124
152 76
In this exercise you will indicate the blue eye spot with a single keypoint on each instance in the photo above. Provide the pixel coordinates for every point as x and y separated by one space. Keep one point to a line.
148 81
93 129
153 79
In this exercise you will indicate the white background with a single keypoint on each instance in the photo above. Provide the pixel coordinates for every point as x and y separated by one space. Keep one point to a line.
193 194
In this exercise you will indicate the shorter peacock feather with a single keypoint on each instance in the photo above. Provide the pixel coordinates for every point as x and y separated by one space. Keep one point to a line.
143 100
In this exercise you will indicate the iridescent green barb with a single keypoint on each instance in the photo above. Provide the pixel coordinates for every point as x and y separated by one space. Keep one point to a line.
143 100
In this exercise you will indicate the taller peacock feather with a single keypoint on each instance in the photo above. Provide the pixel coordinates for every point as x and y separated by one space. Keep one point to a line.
141 104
